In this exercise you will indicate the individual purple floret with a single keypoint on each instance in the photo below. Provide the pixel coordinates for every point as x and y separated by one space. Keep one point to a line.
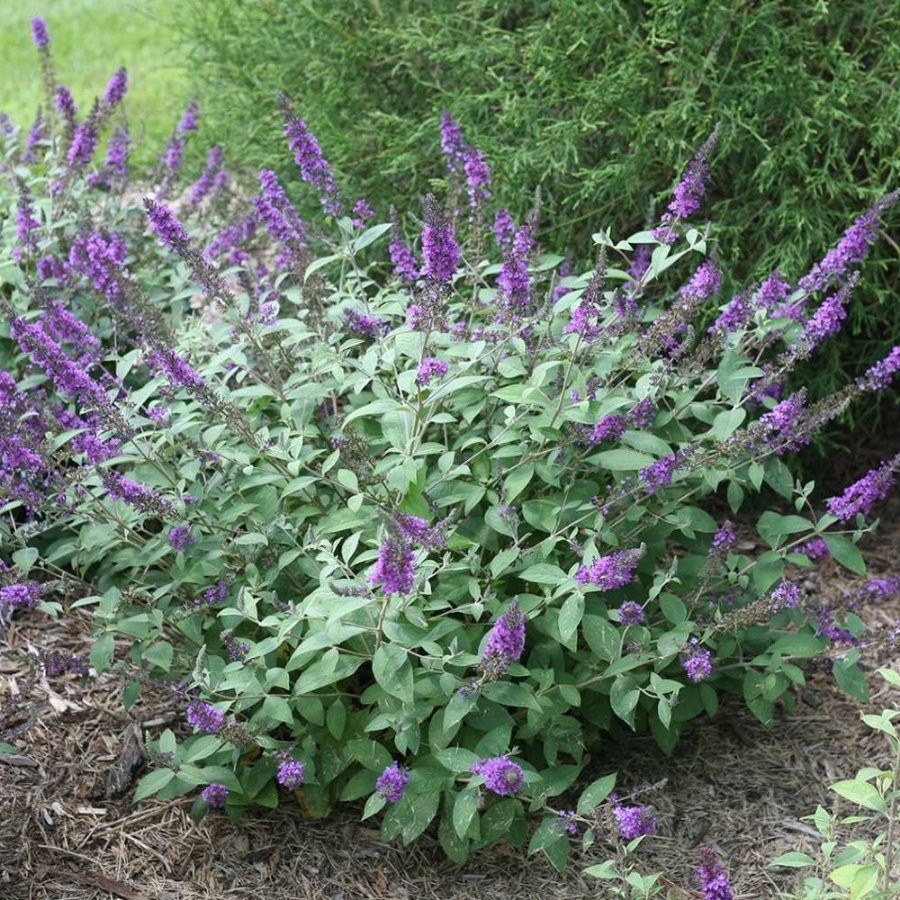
631 613
505 642
633 821
205 716
290 771
697 662
785 596
440 251
215 795
395 569
712 878
39 33
610 572
180 536
431 368
865 493
501 775
392 782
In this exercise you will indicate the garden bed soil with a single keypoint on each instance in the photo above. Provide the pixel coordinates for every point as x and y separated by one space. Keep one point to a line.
69 830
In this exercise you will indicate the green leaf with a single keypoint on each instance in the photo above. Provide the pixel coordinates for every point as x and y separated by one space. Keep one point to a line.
453 845
160 655
370 754
465 809
502 561
624 697
595 793
102 652
850 678
277 708
727 422
793 860
152 783
602 637
517 481
456 759
570 615
861 793
846 553
544 573
622 460
393 671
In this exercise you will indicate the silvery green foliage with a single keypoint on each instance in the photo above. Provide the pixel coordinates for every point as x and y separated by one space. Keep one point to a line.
429 539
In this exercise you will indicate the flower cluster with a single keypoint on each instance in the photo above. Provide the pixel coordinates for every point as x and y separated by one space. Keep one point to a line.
215 795
290 771
392 782
501 775
697 661
610 572
205 716
712 877
633 821
505 642
861 496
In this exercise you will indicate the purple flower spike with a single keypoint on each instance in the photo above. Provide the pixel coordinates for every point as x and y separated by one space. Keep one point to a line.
633 821
392 782
501 775
39 33
610 572
452 143
865 493
315 170
167 227
395 570
116 88
631 613
290 772
697 662
785 596
713 881
205 716
505 642
431 368
190 120
439 248
215 795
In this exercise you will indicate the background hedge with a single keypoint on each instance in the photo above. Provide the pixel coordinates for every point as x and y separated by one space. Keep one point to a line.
597 104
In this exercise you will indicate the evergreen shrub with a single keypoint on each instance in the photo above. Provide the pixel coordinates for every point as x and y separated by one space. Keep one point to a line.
402 515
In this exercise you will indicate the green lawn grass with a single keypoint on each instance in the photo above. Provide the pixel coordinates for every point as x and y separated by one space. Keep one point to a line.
90 39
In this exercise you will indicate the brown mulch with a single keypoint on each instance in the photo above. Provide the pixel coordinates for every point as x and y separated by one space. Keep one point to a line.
68 828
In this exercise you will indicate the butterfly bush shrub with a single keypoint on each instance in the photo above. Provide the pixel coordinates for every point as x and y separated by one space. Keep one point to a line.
399 512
